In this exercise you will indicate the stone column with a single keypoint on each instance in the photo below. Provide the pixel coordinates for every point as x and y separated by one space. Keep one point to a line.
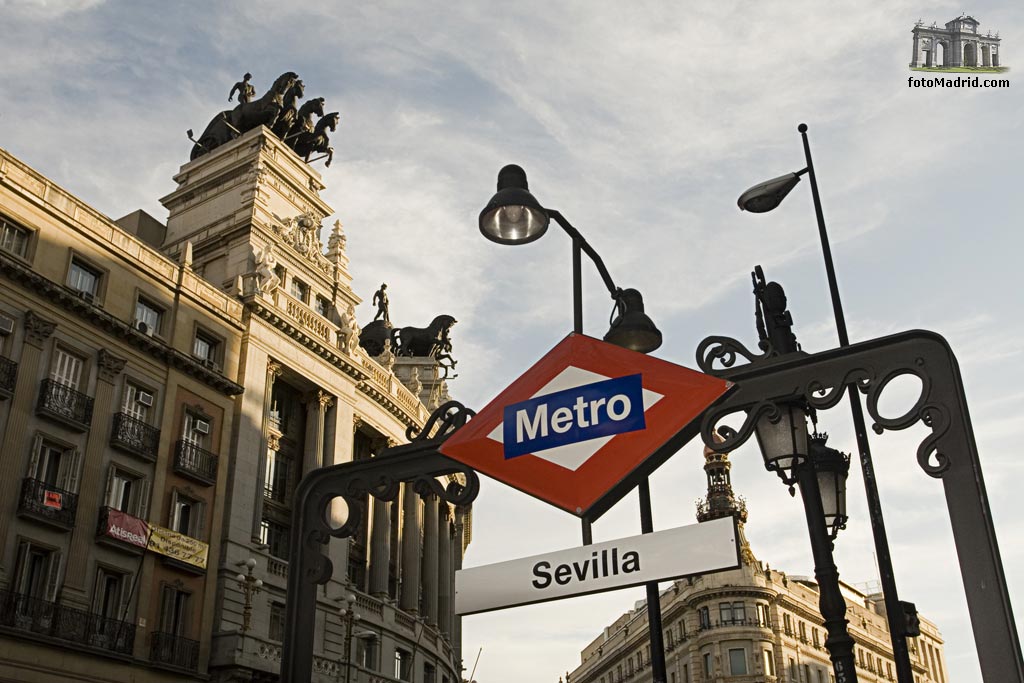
317 403
274 370
92 479
380 547
444 573
430 548
338 449
409 600
916 59
457 552
17 437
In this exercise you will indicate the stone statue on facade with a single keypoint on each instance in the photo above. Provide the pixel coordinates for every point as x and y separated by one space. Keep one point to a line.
303 121
386 357
318 141
348 335
414 384
416 341
248 115
245 90
288 109
380 300
774 321
266 262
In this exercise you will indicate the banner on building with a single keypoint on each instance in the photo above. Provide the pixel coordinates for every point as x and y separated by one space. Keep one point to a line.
125 528
178 546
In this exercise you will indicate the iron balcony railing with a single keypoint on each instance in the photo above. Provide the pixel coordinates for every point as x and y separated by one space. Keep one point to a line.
135 436
65 404
195 462
8 376
174 651
48 502
53 620
735 622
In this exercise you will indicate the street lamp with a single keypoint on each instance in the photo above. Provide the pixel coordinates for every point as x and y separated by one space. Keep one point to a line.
250 586
782 438
348 618
831 468
514 216
765 197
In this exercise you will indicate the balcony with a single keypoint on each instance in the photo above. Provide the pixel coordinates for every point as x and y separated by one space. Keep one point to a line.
64 404
8 376
174 651
48 503
135 436
194 462
51 620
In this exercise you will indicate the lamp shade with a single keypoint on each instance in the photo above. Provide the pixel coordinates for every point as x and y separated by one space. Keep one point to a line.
782 438
632 329
513 216
831 468
767 195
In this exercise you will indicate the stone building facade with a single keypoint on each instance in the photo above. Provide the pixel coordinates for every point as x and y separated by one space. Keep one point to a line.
163 388
749 625
959 43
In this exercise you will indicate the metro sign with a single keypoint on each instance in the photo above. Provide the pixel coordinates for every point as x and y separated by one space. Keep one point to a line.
581 427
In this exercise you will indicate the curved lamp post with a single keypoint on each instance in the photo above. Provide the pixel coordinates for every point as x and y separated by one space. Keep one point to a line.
514 216
762 198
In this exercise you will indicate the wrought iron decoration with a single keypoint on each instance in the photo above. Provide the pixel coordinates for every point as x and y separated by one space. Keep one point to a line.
418 463
948 453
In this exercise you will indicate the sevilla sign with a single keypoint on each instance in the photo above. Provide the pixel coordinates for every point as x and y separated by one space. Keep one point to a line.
581 427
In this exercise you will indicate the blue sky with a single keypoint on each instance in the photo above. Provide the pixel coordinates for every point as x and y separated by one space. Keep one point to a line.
642 123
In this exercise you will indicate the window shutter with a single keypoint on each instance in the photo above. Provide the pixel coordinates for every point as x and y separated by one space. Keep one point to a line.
166 608
33 463
126 595
68 478
199 520
19 567
172 514
143 507
108 497
51 585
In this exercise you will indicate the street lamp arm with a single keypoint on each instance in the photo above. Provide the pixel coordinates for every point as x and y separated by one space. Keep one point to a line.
579 240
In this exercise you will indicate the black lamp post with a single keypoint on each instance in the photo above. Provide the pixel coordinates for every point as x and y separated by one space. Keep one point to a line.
765 197
348 617
514 216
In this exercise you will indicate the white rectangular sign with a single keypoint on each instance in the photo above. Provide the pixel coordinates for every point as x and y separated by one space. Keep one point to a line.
683 551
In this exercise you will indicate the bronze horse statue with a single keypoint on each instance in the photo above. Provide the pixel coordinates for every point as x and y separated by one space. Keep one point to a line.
303 122
415 341
288 109
318 141
262 112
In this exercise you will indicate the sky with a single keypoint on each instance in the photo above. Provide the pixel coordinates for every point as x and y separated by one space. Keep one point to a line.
641 122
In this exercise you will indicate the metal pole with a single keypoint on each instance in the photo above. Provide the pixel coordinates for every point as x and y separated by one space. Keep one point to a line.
830 601
577 327
653 597
893 608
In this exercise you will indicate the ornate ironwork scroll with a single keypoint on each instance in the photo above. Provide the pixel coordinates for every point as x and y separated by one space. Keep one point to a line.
418 463
948 453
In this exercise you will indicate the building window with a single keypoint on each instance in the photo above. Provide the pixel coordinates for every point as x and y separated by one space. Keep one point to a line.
803 631
84 279
787 624
277 483
731 613
323 306
300 290
174 611
769 663
206 348
403 664
807 673
707 664
792 670
814 637
762 615
686 673
67 368
430 673
275 627
195 429
821 676
13 238
53 464
137 402
110 596
147 316
36 572
186 515
737 661
704 616
123 490
275 537
366 653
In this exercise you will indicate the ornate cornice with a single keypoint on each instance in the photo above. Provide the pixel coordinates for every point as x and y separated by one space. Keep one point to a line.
94 315
37 329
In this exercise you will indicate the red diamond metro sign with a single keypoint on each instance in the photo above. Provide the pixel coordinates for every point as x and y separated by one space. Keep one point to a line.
582 426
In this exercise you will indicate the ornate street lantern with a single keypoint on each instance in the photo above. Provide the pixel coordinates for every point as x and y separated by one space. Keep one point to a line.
782 437
831 467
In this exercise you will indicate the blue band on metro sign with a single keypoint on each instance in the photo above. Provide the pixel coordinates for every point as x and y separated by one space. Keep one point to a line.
590 411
